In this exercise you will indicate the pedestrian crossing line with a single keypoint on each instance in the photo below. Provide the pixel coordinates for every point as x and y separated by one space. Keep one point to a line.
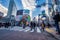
22 30
38 30
27 29
32 30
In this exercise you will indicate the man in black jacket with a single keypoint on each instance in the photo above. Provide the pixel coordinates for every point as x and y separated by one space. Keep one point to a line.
57 19
31 23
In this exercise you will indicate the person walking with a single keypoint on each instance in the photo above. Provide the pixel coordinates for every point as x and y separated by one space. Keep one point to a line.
31 25
57 19
34 26
43 25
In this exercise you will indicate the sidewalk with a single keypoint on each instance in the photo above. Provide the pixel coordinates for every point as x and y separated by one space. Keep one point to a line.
52 31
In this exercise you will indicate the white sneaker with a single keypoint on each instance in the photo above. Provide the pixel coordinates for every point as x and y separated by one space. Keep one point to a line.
32 30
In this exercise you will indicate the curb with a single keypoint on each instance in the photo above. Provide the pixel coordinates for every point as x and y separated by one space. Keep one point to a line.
52 35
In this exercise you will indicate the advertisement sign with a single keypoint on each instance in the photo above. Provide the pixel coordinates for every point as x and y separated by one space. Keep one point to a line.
20 12
25 11
18 17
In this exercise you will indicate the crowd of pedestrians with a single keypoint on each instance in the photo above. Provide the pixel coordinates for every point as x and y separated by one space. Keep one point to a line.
41 23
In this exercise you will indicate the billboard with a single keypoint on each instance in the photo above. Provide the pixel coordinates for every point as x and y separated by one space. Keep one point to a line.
18 17
20 12
26 11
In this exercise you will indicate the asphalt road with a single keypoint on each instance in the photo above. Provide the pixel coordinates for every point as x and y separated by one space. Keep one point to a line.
19 35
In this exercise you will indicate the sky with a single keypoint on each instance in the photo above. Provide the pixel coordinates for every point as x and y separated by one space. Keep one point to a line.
19 4
5 3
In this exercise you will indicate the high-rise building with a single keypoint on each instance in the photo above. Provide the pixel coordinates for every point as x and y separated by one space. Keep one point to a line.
11 9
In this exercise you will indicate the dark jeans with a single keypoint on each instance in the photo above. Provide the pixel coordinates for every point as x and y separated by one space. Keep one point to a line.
57 27
24 26
32 27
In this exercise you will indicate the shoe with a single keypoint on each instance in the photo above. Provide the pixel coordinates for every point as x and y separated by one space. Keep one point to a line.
32 30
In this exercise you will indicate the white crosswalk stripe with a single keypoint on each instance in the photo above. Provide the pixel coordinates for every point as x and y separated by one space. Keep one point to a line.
38 30
32 30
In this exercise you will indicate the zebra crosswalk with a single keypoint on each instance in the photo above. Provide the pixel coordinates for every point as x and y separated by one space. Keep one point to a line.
27 29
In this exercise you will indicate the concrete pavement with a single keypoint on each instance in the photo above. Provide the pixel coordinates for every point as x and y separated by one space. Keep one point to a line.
53 32
18 33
